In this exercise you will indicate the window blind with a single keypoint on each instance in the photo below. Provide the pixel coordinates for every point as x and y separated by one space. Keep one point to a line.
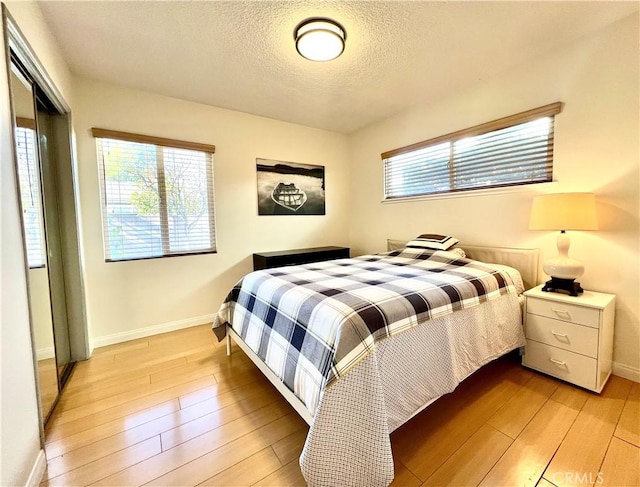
30 194
506 152
157 196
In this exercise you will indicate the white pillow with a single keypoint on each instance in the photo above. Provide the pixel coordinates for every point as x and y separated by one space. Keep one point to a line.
459 252
515 275
432 241
454 253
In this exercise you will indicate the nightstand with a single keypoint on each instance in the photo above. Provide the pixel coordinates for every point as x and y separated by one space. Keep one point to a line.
568 337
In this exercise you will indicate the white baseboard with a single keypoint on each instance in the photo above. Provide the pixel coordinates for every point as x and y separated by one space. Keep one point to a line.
45 353
626 372
35 477
125 336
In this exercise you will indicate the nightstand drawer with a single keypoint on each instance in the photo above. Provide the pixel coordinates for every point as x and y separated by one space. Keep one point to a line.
565 312
568 336
569 366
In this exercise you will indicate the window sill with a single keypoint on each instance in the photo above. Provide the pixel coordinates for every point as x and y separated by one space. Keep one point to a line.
471 193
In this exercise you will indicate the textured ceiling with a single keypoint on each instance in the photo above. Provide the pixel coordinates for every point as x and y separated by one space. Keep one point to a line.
240 54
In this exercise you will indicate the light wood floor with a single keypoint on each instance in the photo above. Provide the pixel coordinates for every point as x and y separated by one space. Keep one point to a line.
175 410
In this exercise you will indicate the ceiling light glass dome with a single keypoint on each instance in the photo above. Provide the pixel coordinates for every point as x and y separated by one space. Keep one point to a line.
320 39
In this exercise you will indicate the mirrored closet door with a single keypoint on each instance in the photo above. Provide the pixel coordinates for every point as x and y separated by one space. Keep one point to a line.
30 187
45 184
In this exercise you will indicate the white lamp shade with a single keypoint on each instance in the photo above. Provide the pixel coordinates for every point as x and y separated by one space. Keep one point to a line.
320 39
564 211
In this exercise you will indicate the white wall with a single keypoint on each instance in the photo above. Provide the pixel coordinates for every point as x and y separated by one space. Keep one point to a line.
596 149
129 299
21 455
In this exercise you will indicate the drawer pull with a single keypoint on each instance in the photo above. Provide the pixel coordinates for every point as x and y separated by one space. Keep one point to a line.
558 362
563 337
562 313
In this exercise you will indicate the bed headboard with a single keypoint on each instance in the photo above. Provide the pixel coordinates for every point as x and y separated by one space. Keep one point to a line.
525 260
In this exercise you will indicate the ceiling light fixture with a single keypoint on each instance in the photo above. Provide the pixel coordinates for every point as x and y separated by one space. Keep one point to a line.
319 39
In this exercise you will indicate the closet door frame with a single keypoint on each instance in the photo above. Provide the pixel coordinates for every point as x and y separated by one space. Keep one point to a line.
65 175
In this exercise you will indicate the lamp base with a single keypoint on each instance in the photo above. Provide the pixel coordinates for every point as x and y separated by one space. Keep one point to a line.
556 284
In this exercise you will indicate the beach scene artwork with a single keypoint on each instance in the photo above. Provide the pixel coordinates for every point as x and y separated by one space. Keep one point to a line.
290 188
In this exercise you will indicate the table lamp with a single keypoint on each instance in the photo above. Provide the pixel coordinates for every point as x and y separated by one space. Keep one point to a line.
563 211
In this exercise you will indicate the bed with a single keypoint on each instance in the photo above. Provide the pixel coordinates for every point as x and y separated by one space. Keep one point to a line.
360 346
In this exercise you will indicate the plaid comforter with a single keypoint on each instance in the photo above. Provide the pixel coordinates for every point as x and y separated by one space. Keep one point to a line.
312 323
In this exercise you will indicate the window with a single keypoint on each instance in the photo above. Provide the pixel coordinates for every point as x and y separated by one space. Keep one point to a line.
506 152
30 195
157 196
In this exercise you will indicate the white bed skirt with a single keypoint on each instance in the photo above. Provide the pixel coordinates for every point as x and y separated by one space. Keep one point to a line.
348 443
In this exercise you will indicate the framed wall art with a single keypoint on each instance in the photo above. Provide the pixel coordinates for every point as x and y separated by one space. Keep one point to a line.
290 188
